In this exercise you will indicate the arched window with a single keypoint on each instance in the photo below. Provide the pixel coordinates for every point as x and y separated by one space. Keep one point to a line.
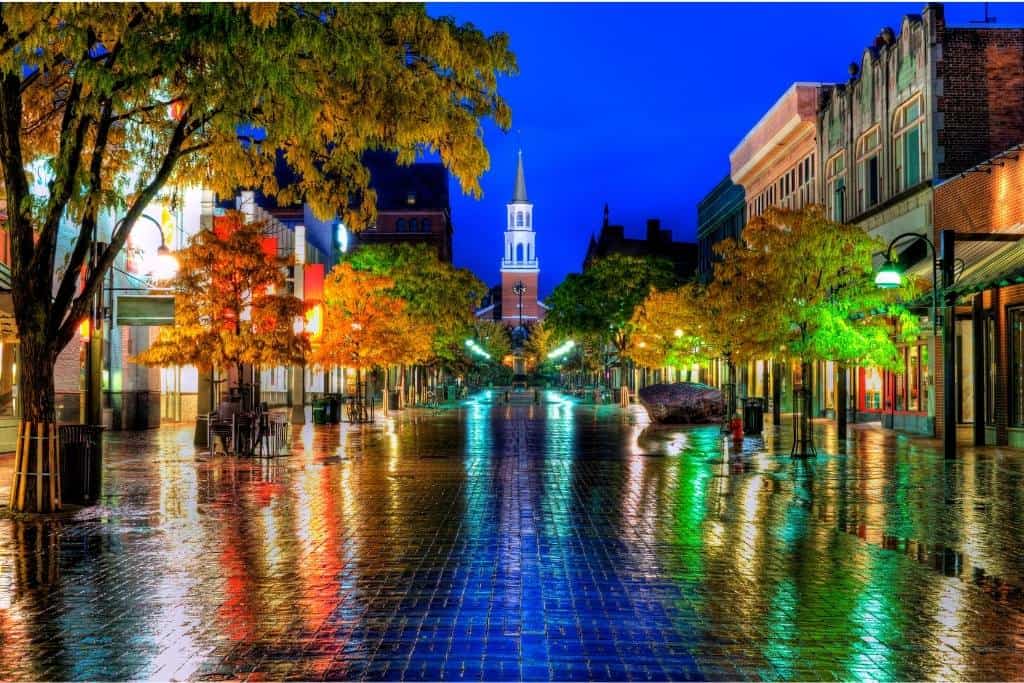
519 253
909 153
527 220
835 184
412 225
425 225
519 219
400 225
869 149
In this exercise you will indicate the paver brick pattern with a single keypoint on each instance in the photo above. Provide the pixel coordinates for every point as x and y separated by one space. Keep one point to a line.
499 542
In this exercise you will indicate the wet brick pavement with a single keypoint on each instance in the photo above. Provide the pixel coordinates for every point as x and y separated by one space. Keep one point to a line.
499 543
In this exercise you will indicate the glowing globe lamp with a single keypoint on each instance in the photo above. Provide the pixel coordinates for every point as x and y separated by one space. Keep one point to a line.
888 276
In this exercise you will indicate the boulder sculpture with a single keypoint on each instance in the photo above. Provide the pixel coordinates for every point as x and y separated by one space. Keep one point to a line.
683 403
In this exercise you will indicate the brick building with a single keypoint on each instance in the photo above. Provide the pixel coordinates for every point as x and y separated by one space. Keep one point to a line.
657 242
988 197
412 204
921 106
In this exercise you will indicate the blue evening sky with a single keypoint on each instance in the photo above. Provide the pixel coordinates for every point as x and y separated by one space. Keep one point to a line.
639 106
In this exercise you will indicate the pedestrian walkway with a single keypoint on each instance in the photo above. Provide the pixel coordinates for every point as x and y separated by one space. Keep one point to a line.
499 542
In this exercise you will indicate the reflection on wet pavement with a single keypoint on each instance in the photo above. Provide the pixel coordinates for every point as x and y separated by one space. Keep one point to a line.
503 542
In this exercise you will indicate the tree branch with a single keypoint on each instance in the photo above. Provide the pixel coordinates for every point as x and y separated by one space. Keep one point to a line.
93 283
87 233
19 220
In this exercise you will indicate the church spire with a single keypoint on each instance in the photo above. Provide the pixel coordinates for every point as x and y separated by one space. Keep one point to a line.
519 195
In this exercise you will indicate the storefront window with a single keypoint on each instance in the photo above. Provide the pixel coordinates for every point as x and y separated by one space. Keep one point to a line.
965 363
1017 367
901 385
913 379
872 389
990 370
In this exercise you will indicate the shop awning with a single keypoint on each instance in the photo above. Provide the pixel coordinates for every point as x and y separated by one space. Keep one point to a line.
1003 266
984 265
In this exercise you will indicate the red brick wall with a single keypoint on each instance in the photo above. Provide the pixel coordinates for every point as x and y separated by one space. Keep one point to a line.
982 101
985 202
510 300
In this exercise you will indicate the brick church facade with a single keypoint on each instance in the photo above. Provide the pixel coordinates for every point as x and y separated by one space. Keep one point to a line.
515 302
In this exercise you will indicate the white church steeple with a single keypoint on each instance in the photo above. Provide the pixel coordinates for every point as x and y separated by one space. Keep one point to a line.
520 254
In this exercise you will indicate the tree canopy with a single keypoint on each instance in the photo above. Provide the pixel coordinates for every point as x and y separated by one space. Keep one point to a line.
104 105
802 286
435 292
365 325
600 301
667 329
229 305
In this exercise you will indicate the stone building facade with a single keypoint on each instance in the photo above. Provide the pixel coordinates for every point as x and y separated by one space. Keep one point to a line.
923 104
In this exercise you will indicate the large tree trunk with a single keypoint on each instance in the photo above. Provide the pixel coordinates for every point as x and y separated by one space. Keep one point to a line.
35 485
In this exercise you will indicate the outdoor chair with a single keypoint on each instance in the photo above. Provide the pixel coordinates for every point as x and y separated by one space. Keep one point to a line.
221 424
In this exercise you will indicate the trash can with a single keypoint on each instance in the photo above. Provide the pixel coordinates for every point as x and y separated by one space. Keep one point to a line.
81 463
753 416
320 411
333 408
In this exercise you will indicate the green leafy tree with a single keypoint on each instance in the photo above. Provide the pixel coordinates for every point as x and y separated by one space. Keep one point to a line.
436 292
599 303
801 286
104 105
492 337
538 344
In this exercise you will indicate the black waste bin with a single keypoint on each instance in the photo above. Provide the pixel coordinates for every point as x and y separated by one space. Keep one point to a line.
81 463
753 416
320 411
333 408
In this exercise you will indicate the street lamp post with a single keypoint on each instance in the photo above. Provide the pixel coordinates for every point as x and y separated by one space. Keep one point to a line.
944 267
520 289
167 266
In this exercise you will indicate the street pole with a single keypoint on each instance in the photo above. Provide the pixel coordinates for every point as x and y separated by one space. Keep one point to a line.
947 261
93 413
520 289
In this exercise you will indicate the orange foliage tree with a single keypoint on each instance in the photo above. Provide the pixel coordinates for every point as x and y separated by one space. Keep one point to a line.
230 305
366 325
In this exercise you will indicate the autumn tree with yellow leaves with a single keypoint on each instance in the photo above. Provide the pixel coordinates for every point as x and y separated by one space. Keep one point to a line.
231 308
667 329
103 105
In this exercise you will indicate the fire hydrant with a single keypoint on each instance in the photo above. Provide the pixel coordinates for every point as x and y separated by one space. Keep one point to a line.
736 428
